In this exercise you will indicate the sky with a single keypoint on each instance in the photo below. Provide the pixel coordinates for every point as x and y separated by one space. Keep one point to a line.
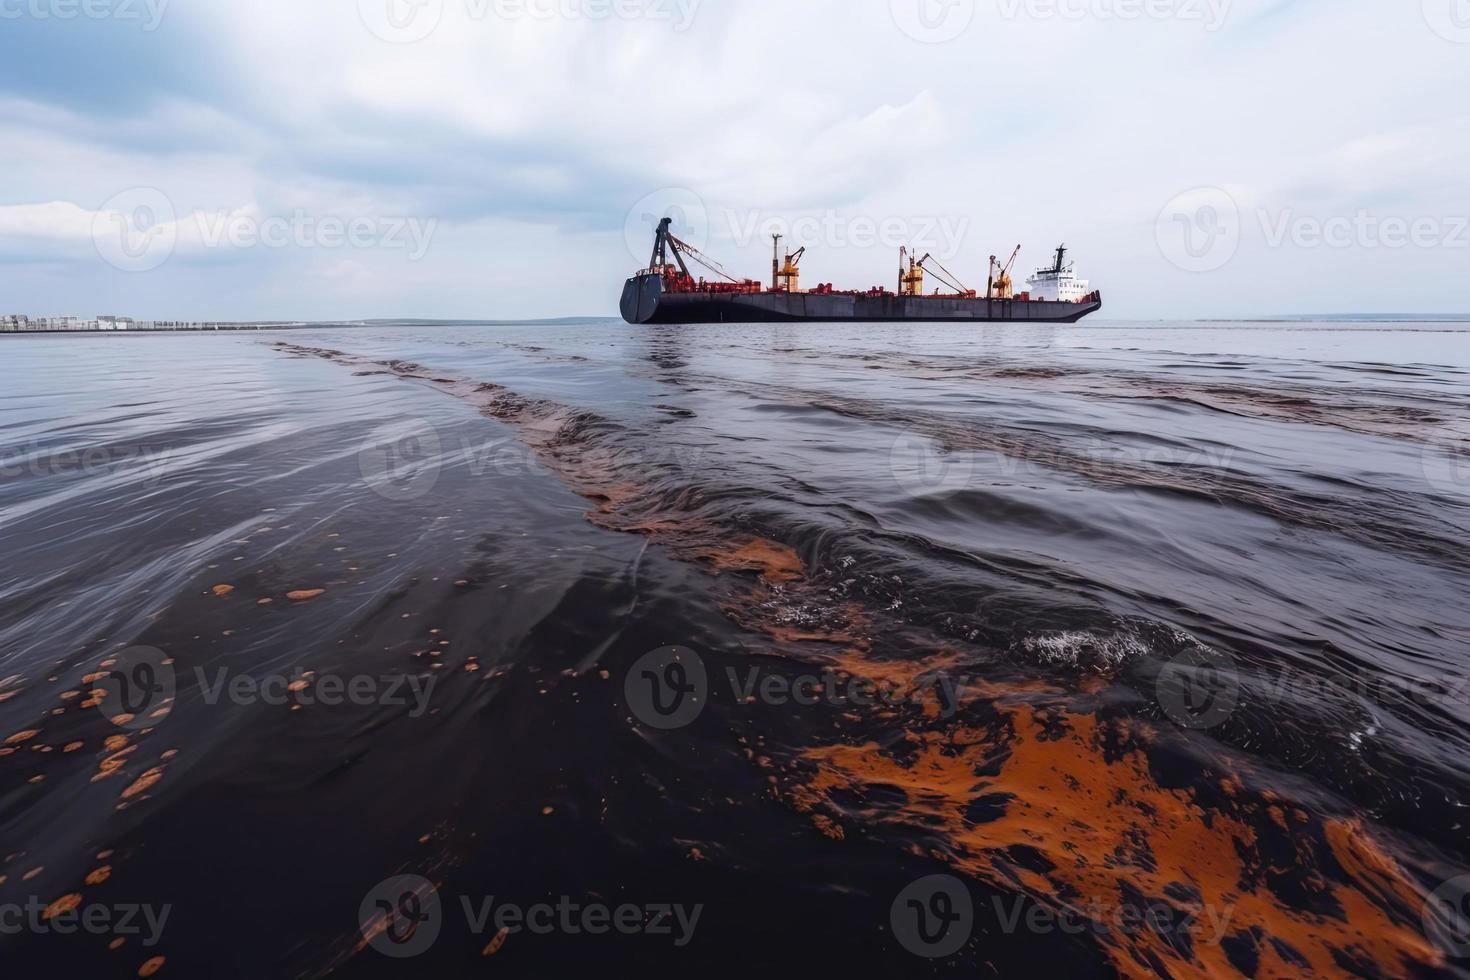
499 159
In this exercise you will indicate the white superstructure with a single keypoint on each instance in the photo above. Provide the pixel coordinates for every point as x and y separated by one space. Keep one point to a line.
1057 283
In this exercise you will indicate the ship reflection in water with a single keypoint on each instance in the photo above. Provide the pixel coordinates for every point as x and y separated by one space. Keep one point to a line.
970 649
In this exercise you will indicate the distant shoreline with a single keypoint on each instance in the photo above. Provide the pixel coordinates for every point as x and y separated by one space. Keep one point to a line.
255 326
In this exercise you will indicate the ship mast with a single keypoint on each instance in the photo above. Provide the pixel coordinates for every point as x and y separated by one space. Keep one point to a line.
1061 254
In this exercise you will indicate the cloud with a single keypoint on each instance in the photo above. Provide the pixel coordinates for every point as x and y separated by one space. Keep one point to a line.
56 220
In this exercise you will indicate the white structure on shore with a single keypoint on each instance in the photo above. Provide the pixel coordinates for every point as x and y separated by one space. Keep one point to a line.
21 323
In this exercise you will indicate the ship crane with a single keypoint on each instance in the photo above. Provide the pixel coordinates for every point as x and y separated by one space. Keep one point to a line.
668 246
945 276
684 248
910 280
663 243
999 286
790 272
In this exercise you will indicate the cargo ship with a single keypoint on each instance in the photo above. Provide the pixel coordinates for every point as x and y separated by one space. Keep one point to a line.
666 292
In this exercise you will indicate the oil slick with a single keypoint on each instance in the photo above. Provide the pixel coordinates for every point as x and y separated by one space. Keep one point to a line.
1029 786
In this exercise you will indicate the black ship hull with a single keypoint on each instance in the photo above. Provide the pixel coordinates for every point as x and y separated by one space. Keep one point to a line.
645 301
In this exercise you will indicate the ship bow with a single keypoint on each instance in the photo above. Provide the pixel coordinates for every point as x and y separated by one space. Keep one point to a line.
641 296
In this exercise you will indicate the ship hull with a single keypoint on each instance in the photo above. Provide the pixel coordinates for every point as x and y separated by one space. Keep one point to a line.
644 301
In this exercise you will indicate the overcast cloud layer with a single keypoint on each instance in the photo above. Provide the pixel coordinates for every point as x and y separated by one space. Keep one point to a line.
508 158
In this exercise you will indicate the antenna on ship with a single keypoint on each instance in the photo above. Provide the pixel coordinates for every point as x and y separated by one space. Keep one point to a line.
1061 254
